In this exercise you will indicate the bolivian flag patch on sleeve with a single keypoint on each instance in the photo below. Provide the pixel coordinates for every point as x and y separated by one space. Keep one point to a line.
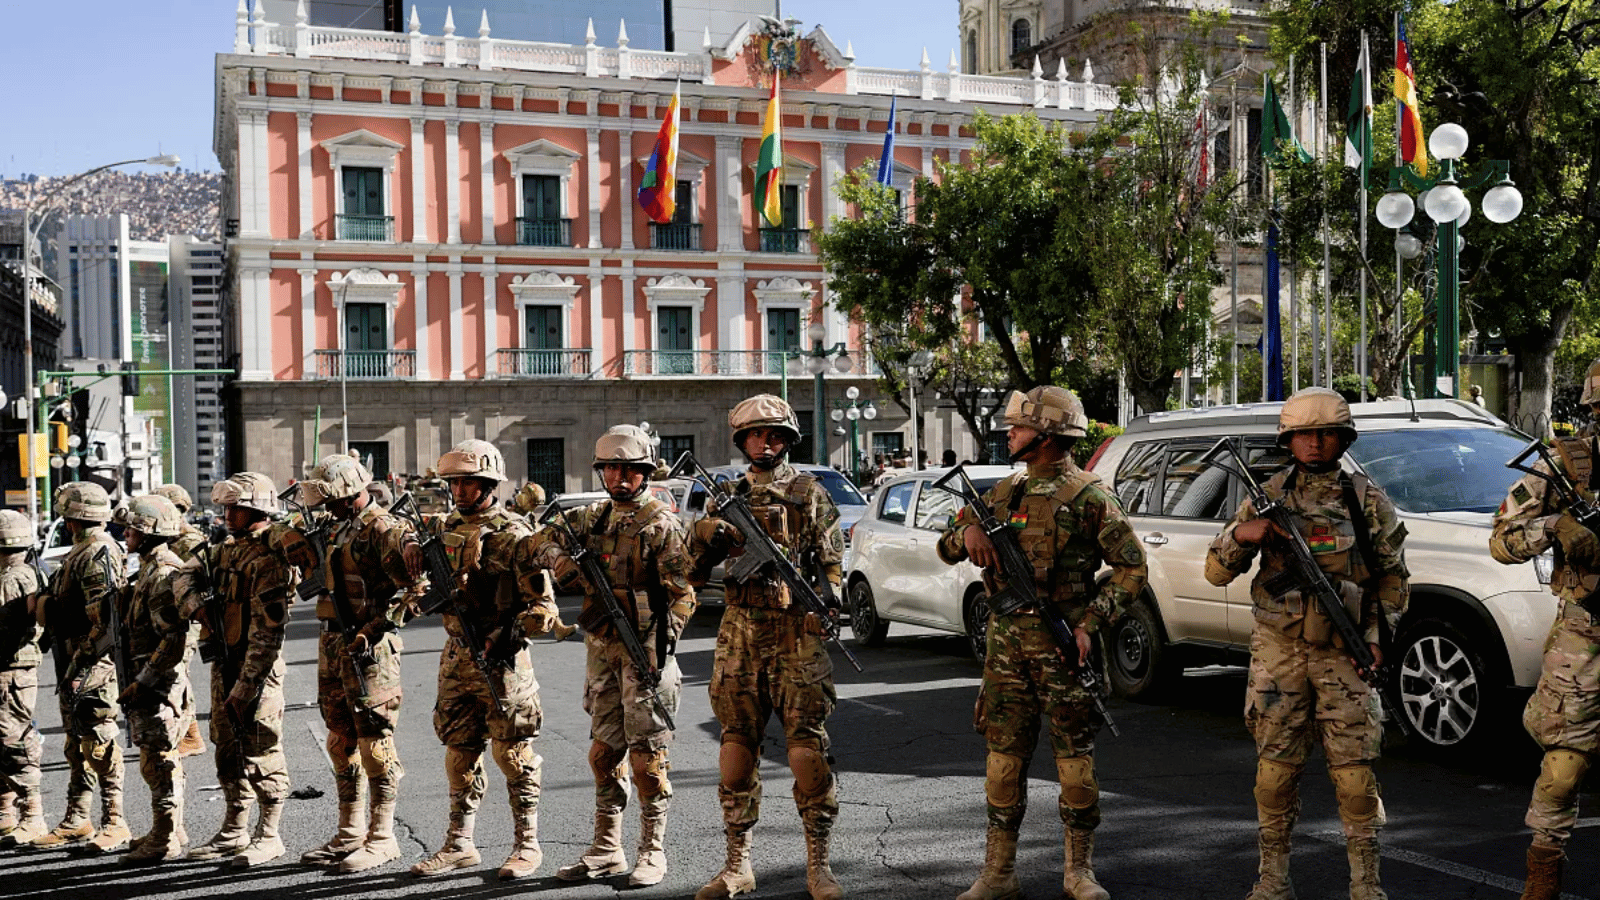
1019 519
1322 539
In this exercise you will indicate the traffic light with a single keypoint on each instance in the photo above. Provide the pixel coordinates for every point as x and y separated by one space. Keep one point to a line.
58 437
130 380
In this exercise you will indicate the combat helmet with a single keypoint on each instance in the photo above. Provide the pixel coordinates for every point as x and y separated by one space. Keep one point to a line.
247 490
16 531
338 476
626 444
83 500
763 411
1591 385
154 515
1313 408
1048 409
473 459
177 494
530 497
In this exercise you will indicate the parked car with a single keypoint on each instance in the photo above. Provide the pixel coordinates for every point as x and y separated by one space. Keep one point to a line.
896 575
1474 629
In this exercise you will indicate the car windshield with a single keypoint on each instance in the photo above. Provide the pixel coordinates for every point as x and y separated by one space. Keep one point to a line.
1440 469
839 488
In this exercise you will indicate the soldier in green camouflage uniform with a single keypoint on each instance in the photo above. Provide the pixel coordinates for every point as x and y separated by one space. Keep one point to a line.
1068 524
76 611
643 548
507 597
159 695
366 567
1304 687
770 658
22 818
249 580
1564 713
185 545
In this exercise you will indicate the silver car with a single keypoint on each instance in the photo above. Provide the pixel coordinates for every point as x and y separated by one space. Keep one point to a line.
896 575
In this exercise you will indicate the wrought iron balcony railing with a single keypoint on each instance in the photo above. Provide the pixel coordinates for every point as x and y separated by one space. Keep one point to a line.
785 240
366 364
528 363
544 232
675 236
366 228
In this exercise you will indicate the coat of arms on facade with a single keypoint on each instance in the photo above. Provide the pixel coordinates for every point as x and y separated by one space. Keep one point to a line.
779 49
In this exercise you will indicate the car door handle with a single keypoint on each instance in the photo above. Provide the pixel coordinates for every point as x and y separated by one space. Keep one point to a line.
1155 539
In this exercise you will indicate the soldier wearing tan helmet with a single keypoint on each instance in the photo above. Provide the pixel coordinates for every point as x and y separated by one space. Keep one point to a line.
528 499
367 573
505 594
770 659
240 592
1304 687
1561 714
185 545
644 549
158 700
21 752
1070 523
77 612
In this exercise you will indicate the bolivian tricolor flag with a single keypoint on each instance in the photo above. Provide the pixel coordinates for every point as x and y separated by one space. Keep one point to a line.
1412 147
769 164
658 188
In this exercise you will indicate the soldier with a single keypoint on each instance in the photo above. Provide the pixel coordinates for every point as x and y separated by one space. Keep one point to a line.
770 658
76 611
22 820
185 545
367 580
646 558
505 595
1562 713
240 591
528 499
1304 686
158 699
1069 523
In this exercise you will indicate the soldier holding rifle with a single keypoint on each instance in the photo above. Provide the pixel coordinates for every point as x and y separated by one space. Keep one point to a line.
21 751
1305 687
1067 523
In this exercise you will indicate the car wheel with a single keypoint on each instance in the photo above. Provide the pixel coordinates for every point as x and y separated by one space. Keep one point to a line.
866 626
1141 663
976 619
1442 684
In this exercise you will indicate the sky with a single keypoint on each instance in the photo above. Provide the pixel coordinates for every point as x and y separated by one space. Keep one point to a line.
95 81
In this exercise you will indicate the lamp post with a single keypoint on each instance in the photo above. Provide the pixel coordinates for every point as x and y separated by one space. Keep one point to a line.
28 238
854 409
817 362
1446 203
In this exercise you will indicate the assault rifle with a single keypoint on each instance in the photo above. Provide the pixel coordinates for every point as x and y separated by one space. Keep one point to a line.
760 551
345 617
1556 476
112 641
1303 574
215 647
1018 594
594 571
314 581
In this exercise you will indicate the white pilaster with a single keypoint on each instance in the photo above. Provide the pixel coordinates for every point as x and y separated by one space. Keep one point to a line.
491 319
419 181
592 165
730 231
258 138
255 361
730 307
832 170
302 178
252 167
419 275
453 326
625 170
452 188
629 317
597 325
486 182
308 320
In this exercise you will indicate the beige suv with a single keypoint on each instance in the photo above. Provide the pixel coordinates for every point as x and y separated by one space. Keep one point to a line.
1475 628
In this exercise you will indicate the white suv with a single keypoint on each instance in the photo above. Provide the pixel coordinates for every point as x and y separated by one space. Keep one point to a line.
1474 627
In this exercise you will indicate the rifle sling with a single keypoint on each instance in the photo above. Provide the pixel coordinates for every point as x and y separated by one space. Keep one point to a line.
1369 554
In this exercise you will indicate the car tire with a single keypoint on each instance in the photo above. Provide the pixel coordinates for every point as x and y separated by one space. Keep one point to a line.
1142 666
867 627
1442 683
975 617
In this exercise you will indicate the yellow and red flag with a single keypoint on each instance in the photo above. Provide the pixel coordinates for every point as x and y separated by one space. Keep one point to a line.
1413 148
769 163
658 188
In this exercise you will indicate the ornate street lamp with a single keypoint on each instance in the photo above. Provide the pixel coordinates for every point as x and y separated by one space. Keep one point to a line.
853 409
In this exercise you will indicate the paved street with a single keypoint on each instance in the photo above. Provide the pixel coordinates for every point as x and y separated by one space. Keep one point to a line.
1179 818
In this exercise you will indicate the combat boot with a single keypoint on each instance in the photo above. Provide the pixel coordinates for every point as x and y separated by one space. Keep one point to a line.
1272 880
998 880
113 834
1078 881
736 876
458 851
191 744
651 863
1363 853
30 820
8 814
351 788
266 845
75 827
1544 873
380 846
819 876
526 855
604 856
233 836
159 846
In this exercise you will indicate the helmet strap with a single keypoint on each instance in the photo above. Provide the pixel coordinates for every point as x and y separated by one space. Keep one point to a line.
1029 447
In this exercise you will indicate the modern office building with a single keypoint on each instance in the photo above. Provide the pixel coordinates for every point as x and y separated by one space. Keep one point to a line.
43 303
195 286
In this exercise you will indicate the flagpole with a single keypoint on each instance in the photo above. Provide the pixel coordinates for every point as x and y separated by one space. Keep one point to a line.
1294 300
1233 220
1324 351
1399 262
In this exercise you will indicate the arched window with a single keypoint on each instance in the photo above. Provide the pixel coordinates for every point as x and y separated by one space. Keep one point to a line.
972 53
1021 36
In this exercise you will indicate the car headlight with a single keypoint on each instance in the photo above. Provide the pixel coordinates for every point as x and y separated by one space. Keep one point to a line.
1544 566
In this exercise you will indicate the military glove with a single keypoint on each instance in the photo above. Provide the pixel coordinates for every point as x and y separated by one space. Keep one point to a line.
538 620
815 625
1578 544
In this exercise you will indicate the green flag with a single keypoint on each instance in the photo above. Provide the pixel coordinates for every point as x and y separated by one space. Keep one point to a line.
1358 116
1275 129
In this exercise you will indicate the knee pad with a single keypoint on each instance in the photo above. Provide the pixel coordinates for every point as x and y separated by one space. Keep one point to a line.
1356 789
379 759
1560 775
461 767
518 759
100 755
606 761
339 752
1002 780
1078 787
650 772
1277 786
811 773
737 763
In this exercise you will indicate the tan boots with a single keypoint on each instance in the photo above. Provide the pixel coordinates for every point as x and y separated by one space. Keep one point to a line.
1544 873
736 876
998 881
604 856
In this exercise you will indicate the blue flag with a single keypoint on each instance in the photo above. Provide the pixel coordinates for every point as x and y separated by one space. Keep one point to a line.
1272 362
886 162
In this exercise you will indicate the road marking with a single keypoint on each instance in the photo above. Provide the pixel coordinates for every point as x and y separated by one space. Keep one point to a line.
1442 866
884 710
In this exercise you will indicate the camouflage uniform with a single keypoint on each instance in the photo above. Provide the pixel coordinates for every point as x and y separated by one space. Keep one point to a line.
1069 523
769 662
157 643
1563 715
188 542
643 548
1304 688
20 748
90 577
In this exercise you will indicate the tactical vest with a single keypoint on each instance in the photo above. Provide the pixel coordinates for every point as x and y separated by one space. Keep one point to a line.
19 630
1329 529
486 592
247 568
1577 458
144 632
71 613
365 583
1041 538
777 506
615 538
